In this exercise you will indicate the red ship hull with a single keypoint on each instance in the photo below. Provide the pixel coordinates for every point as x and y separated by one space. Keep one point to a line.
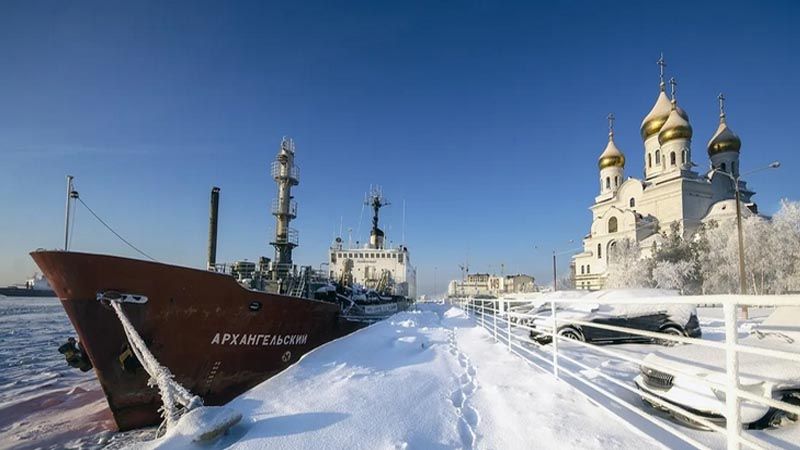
218 338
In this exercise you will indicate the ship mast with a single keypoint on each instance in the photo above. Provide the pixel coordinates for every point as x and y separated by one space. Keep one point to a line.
376 200
284 208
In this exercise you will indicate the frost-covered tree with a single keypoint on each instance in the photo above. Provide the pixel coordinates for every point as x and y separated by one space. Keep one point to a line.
626 267
674 274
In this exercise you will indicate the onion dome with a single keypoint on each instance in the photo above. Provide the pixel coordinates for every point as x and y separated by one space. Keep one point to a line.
655 119
611 156
724 140
677 124
676 127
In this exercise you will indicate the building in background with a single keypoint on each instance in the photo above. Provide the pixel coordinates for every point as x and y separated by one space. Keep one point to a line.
486 285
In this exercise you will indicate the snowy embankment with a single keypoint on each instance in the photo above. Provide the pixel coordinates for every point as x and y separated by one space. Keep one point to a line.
422 379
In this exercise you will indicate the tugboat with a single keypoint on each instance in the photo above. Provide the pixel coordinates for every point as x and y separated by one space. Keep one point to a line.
218 331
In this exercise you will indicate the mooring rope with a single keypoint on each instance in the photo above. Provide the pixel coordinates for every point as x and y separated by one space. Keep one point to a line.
172 393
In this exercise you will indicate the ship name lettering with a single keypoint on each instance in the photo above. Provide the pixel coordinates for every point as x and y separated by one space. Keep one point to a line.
264 340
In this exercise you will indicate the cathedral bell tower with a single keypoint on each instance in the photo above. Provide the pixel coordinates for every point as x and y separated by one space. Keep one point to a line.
611 164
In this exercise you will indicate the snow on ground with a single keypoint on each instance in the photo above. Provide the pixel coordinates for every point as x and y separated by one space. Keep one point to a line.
430 378
424 379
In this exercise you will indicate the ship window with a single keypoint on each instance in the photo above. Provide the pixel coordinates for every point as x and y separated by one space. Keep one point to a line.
612 225
599 251
658 157
632 203
672 158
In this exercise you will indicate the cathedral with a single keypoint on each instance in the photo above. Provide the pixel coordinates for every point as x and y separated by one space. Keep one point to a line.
671 192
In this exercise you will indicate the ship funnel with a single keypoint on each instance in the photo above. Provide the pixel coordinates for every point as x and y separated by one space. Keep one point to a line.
212 229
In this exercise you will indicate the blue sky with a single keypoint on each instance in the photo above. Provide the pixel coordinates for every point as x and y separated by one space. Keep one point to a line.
486 118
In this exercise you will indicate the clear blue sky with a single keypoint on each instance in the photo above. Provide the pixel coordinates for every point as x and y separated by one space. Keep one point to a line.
487 118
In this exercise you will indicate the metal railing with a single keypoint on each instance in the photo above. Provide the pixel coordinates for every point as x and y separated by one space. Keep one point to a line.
506 321
276 208
279 171
291 237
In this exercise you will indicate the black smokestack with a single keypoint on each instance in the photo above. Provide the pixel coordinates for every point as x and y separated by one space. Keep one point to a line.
212 229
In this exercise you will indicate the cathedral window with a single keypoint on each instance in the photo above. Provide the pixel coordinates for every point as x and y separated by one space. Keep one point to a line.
683 157
608 182
616 181
649 161
599 251
722 166
672 158
588 269
658 157
632 202
733 167
582 269
612 227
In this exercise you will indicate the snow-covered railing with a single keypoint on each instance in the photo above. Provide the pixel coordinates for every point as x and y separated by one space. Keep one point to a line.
506 322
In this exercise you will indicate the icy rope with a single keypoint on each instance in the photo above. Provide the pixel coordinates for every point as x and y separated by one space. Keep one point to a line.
172 393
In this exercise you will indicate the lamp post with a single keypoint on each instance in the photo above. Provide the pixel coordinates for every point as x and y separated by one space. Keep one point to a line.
555 272
735 181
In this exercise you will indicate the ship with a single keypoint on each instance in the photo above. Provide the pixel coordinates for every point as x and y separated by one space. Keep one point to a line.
219 331
35 286
373 280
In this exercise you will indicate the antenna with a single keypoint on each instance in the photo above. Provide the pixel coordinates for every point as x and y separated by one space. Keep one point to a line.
403 234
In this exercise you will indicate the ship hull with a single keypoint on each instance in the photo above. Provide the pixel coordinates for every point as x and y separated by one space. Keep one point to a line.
217 338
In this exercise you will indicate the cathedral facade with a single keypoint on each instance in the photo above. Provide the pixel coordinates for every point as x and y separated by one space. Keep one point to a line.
671 191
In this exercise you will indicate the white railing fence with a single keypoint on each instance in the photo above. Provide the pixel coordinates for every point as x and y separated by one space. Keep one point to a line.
508 322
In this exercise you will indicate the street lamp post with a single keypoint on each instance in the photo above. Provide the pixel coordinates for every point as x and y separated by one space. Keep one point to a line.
555 272
735 181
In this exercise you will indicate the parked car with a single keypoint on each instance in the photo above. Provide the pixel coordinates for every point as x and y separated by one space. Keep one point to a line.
663 375
678 320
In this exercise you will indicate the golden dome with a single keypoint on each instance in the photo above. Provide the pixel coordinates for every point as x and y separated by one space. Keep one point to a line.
655 119
676 127
611 156
724 140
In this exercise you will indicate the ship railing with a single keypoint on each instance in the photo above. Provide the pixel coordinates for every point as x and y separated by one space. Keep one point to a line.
511 322
276 208
291 237
281 171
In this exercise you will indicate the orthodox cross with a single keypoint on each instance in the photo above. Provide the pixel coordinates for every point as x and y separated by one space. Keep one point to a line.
661 64
610 118
721 98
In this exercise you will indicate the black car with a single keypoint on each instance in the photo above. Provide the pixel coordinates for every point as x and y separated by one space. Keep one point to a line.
678 320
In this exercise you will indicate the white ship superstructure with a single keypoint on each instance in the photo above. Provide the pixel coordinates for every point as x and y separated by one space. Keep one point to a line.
374 266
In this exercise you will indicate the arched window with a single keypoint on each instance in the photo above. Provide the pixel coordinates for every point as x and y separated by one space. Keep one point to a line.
599 251
612 225
608 182
672 158
588 269
733 167
683 157
582 269
649 161
658 157
632 203
722 167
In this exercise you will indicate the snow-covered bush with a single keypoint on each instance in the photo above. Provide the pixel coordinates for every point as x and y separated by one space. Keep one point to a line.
626 267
